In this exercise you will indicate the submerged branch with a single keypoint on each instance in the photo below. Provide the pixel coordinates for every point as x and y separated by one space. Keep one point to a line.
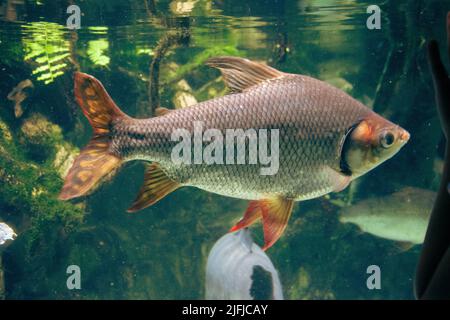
150 7
169 40
388 79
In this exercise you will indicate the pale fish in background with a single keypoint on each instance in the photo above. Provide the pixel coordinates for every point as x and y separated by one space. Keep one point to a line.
402 216
237 269
6 233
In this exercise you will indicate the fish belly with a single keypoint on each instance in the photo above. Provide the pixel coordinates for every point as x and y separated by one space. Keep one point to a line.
395 228
245 182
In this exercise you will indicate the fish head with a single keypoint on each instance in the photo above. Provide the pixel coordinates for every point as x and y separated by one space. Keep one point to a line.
352 214
371 142
343 218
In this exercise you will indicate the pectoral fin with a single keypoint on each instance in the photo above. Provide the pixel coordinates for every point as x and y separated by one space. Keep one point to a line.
404 246
275 219
156 186
338 180
275 213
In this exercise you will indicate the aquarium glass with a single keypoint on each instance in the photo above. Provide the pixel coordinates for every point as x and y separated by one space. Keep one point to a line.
150 54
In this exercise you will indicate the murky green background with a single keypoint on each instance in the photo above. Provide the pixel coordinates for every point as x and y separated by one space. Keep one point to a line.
161 252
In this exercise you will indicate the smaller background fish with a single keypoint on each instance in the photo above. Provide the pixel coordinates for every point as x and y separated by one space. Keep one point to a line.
402 216
237 269
19 94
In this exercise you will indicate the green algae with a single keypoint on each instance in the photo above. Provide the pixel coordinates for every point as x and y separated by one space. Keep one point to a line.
29 190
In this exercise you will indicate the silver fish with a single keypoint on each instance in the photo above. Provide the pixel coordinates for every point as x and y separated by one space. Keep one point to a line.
402 216
326 139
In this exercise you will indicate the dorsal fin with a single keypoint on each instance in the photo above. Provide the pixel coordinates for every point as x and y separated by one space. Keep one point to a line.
240 74
161 111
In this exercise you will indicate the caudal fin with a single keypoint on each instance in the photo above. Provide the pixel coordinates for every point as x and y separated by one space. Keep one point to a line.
95 160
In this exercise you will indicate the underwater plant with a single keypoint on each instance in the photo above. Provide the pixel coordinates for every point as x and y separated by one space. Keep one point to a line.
45 44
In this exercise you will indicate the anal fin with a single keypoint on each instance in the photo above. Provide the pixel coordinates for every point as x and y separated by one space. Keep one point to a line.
275 213
156 186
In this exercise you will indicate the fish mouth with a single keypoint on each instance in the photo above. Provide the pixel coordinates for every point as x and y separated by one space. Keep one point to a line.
404 136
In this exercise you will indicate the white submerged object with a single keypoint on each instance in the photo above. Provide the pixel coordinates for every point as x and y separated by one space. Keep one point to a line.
238 269
6 233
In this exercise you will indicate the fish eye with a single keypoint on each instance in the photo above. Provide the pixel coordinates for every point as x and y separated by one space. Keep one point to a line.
387 139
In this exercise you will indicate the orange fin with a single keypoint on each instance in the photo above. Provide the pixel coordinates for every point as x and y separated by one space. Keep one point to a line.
95 102
275 213
161 111
95 160
275 219
156 186
89 167
251 215
240 74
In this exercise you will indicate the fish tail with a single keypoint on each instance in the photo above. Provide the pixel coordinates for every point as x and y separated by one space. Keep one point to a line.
96 161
